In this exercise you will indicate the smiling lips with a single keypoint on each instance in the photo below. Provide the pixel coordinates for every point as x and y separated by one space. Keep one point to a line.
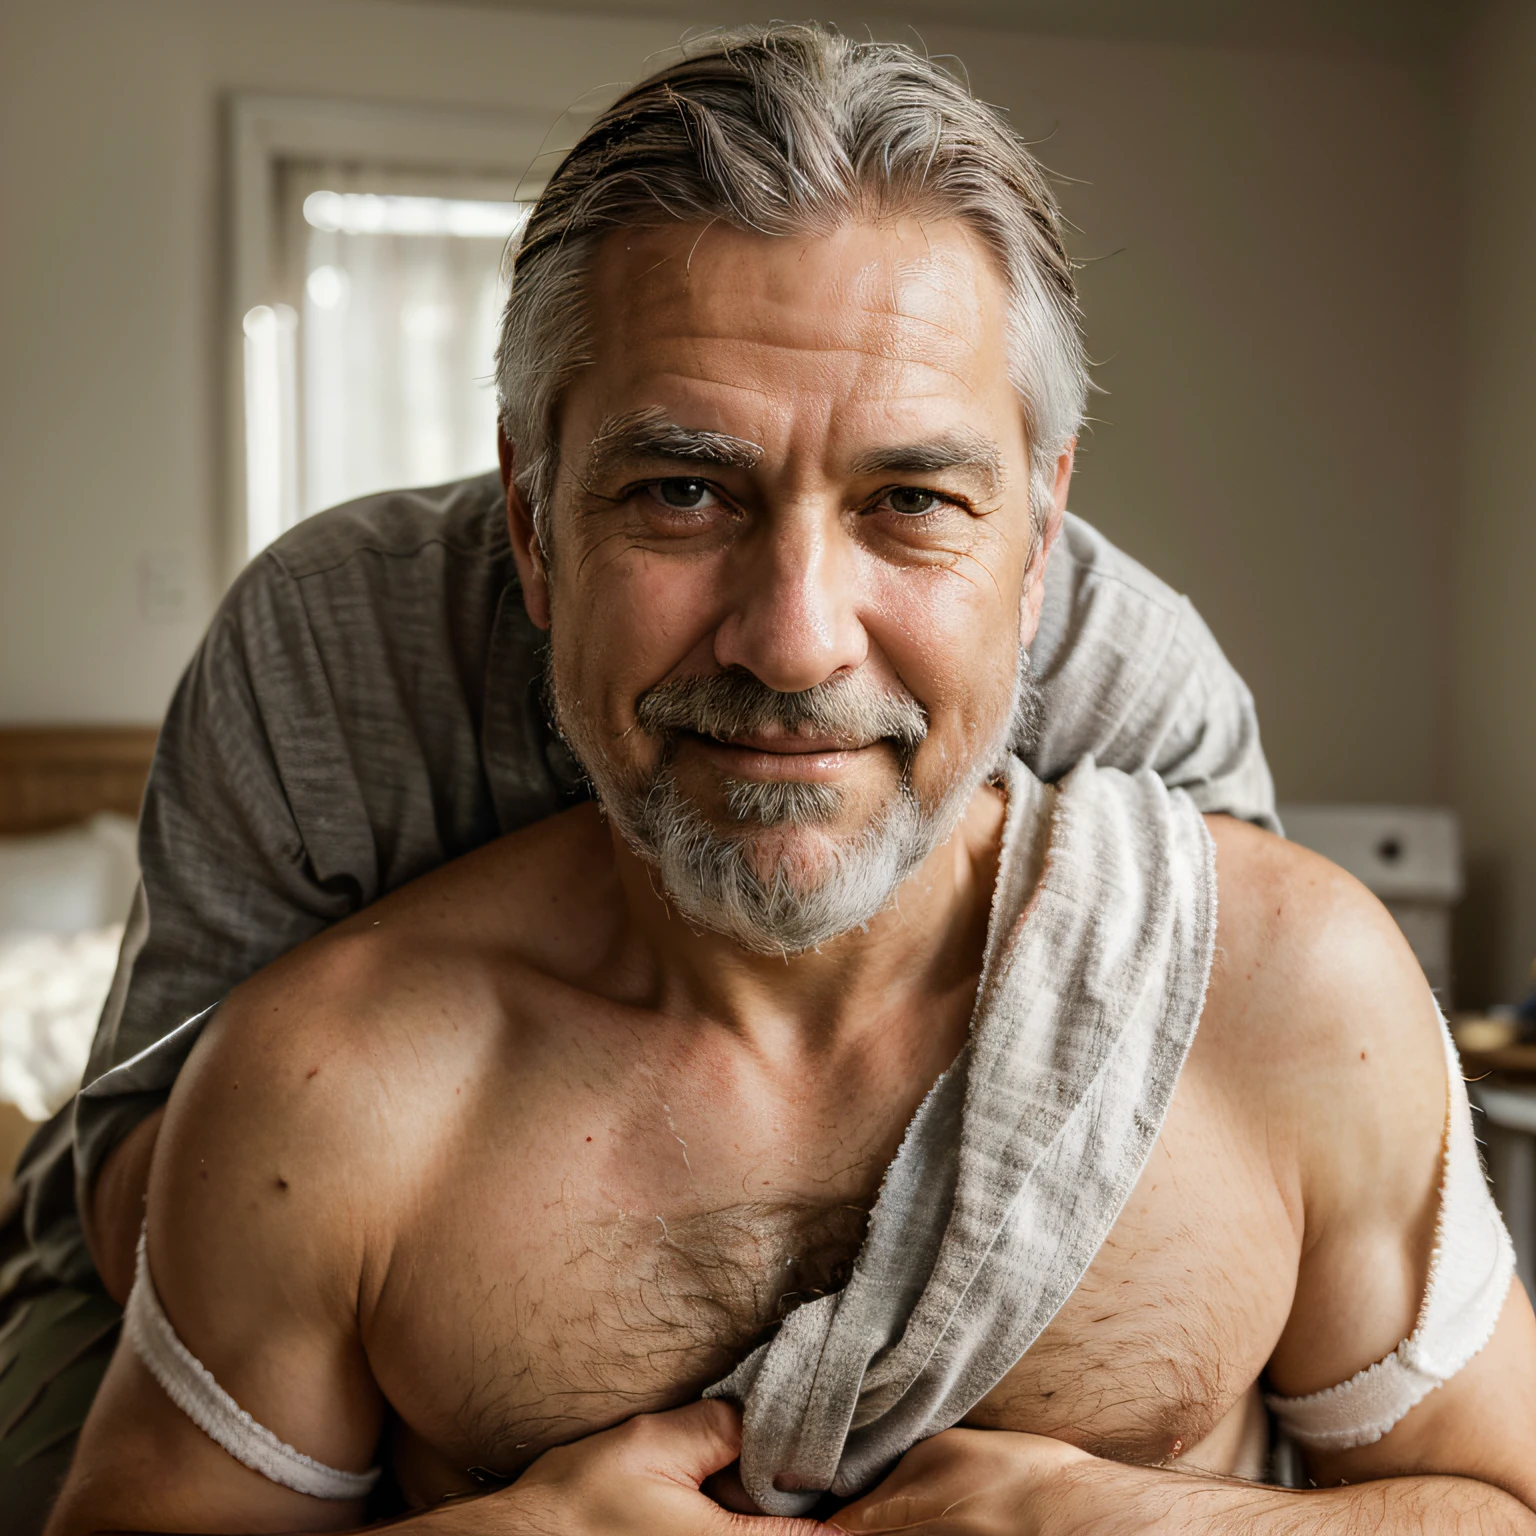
782 755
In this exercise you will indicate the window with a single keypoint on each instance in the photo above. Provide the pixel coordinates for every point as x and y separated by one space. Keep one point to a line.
369 283
402 296
373 367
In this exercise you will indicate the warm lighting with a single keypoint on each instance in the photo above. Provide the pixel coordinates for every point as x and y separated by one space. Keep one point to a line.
381 373
369 213
328 287
271 424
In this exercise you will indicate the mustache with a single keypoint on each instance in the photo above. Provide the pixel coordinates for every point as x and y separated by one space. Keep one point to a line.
736 703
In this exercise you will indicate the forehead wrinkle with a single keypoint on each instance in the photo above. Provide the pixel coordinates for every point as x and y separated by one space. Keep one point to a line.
776 343
715 376
912 288
950 352
865 332
886 342
953 328
961 337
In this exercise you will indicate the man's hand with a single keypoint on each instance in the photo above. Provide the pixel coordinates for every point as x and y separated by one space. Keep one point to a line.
641 1479
972 1482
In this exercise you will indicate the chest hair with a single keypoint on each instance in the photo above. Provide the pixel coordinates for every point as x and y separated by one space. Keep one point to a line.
644 1311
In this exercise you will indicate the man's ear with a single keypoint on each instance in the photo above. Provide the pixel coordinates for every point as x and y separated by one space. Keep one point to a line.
1034 580
527 554
1065 461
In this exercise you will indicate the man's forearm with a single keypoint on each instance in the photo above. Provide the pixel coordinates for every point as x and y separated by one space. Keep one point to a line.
457 1517
1116 1500
641 1478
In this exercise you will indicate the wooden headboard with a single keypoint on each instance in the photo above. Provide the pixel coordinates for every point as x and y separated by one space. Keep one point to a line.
53 776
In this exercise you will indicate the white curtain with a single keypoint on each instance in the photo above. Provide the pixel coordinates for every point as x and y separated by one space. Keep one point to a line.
392 292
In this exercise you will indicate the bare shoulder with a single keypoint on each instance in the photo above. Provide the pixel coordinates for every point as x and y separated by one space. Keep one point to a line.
416 984
322 1096
284 1140
1313 986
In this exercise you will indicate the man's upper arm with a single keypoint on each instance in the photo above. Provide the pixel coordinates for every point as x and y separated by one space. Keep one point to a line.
255 1243
1369 1095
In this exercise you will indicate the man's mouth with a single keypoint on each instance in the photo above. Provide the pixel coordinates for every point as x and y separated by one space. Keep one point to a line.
788 743
734 719
781 755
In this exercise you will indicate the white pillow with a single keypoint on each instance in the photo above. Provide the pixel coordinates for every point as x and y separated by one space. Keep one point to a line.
72 881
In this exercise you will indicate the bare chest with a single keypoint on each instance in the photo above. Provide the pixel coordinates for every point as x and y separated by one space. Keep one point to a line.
1176 1316
529 1318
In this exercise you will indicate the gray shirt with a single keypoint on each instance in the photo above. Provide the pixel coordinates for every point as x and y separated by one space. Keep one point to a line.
365 707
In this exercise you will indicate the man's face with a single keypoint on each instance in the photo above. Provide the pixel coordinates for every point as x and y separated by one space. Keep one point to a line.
789 542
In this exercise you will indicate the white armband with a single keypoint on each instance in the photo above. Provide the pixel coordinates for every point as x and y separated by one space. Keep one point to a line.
1470 1269
190 1385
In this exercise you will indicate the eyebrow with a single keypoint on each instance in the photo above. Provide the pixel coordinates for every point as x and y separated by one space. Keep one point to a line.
955 450
649 434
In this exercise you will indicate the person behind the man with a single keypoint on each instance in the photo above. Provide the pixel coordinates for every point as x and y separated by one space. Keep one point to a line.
790 381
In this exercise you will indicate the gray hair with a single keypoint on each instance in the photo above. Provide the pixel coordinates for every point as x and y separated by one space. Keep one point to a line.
785 130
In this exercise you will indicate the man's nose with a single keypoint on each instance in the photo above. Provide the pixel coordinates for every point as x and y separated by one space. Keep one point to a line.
794 621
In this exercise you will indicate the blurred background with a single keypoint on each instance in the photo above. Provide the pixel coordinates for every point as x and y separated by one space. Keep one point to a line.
249 266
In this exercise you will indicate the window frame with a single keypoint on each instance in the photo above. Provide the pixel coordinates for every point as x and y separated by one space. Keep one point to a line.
265 130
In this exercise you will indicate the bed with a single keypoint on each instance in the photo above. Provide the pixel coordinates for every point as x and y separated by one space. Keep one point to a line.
68 801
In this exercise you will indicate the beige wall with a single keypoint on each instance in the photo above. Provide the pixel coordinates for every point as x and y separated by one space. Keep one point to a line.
1270 299
1271 309
1493 722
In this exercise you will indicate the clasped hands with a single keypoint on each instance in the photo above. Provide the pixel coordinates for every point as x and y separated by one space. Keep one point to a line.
645 1478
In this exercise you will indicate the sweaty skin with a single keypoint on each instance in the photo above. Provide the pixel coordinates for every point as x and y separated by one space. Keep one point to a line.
517 1154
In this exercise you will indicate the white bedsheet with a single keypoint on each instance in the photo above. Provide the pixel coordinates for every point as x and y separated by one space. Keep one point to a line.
52 987
63 899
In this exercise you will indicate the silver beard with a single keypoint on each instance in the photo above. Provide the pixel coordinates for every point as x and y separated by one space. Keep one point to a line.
710 875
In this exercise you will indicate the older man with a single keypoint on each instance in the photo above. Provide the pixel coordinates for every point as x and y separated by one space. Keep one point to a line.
553 1136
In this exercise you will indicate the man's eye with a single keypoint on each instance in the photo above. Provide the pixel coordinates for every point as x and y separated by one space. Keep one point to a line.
911 502
683 495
